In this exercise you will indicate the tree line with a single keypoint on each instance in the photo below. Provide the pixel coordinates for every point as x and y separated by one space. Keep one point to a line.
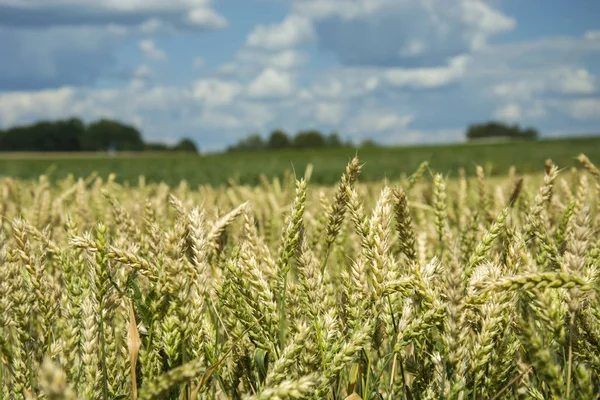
313 139
279 140
71 135
496 130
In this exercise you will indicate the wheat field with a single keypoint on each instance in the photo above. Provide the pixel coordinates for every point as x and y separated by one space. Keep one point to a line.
421 288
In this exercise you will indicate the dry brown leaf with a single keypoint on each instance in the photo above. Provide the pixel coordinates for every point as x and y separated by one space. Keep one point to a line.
133 344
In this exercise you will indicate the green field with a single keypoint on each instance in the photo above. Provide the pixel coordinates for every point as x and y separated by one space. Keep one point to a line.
246 168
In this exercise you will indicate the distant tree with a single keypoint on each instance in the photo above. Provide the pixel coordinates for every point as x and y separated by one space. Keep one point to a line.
493 129
156 147
61 135
348 143
252 142
333 140
73 135
14 139
312 139
366 143
3 140
278 140
72 131
530 133
186 145
104 135
46 135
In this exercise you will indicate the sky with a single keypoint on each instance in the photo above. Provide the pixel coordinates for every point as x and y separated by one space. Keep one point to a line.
394 71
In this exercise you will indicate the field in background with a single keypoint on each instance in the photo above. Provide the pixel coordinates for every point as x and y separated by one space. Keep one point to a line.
246 168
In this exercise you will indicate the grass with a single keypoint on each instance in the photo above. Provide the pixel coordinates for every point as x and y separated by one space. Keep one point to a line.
247 168
417 288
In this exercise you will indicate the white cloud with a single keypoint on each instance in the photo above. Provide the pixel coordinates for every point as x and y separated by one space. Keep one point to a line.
52 43
347 84
518 90
537 54
509 112
584 109
207 18
578 81
401 32
477 15
137 121
370 121
221 120
592 35
483 21
148 15
330 113
215 92
256 115
137 83
305 95
117 30
414 48
332 89
151 99
124 6
428 77
142 72
151 25
519 112
271 83
547 81
248 63
343 9
530 94
372 83
239 70
148 47
286 59
53 103
537 110
140 76
227 69
293 31
58 56
199 62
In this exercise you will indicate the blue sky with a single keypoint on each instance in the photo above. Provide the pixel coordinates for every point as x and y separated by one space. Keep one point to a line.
396 71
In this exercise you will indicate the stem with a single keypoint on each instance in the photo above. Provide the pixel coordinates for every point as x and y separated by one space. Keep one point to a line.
366 393
103 353
570 362
30 352
282 314
509 384
324 264
320 343
391 389
392 314
403 376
